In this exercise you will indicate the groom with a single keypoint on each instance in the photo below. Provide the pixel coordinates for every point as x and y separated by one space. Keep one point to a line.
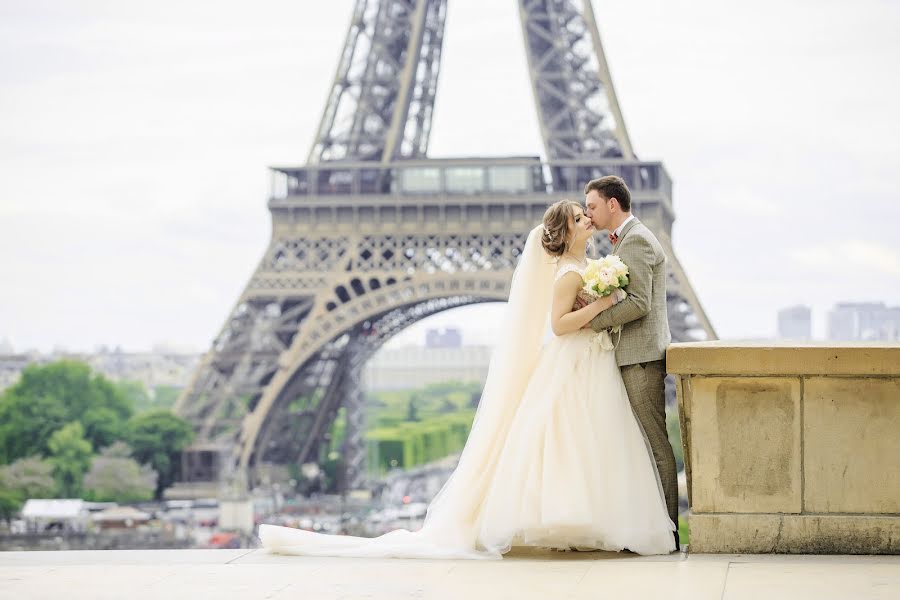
641 350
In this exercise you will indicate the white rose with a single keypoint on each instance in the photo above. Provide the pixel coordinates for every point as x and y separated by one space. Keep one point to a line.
619 267
608 277
592 271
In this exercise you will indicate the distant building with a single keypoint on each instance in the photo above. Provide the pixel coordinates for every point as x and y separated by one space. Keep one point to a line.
12 365
120 517
443 338
61 515
864 321
795 323
415 366
149 368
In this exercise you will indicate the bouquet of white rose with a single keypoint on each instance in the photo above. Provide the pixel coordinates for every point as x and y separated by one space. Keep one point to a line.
604 276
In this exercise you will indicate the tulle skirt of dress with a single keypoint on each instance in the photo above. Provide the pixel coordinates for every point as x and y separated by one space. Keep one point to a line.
574 471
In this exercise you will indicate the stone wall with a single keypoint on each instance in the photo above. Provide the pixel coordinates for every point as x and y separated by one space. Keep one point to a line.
792 449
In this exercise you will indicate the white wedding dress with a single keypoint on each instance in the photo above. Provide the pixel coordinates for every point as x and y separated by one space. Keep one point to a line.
555 457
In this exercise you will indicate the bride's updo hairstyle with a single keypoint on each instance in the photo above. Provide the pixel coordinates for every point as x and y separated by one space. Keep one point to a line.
556 227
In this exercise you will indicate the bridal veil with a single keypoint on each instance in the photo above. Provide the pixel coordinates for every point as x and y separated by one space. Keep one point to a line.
451 524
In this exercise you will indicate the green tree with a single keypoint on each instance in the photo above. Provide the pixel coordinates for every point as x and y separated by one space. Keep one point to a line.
31 476
26 478
143 400
70 455
47 397
116 450
165 396
10 503
116 477
157 439
136 393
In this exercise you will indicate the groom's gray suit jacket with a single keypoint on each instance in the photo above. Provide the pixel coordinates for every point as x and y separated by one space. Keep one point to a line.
642 314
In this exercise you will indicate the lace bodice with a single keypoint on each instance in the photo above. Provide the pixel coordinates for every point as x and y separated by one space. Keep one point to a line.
568 267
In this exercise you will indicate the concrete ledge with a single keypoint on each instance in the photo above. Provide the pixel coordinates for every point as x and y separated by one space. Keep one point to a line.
790 448
794 534
768 359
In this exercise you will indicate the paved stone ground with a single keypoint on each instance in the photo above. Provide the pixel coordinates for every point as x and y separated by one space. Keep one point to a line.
523 574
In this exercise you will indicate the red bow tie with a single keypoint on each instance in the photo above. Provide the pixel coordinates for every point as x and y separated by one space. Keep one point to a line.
613 238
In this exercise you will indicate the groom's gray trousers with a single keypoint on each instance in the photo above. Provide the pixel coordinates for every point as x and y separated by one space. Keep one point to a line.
646 387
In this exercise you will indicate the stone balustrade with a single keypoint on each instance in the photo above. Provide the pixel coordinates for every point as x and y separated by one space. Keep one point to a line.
790 449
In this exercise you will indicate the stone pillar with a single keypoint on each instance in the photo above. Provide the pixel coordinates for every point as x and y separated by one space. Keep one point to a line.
790 449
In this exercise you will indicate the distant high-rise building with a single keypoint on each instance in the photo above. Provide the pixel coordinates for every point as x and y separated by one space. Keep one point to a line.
864 321
443 338
795 323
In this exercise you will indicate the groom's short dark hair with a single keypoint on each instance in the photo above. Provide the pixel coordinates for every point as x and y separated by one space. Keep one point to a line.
611 186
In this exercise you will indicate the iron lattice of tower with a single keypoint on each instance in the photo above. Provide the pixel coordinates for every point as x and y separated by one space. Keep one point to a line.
371 235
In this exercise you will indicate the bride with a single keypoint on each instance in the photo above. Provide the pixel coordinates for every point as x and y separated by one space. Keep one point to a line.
555 457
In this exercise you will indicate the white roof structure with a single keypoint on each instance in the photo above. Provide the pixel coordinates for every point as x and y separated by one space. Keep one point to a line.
121 513
66 508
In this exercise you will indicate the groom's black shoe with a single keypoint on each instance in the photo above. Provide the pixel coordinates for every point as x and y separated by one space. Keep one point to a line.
677 542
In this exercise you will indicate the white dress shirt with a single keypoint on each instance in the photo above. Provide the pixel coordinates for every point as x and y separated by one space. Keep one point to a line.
619 229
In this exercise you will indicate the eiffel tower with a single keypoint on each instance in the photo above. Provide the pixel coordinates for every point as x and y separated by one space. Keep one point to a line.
371 235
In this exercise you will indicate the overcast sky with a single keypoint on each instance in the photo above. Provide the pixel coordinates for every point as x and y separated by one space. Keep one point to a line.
135 139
